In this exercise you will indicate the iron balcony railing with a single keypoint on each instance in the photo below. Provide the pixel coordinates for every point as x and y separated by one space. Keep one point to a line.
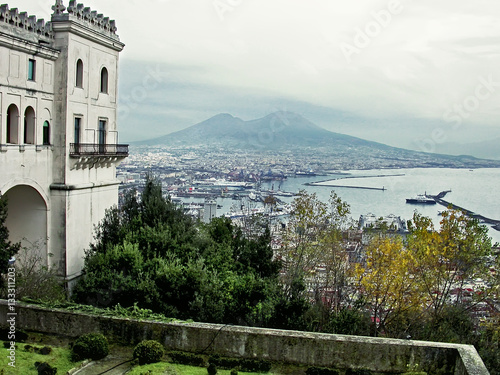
96 149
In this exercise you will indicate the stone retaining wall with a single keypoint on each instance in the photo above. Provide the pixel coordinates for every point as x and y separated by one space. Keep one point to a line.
302 348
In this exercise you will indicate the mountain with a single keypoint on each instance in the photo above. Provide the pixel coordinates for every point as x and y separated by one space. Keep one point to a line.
274 131
289 131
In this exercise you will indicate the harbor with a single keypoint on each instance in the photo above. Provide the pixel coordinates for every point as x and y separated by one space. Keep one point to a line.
404 184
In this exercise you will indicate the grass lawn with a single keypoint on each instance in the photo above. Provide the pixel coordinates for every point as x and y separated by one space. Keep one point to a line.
25 361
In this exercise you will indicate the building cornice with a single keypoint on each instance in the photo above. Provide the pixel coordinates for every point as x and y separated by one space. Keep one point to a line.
19 44
70 24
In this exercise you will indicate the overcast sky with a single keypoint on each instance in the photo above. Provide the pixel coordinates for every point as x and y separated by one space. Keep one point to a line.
406 73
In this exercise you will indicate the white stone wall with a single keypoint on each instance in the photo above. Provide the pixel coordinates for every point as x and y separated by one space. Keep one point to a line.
76 209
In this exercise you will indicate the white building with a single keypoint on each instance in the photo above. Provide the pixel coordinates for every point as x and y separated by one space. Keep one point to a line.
209 210
58 135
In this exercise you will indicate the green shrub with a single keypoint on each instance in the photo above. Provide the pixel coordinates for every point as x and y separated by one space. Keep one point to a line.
212 369
224 363
255 365
44 368
46 350
321 371
148 351
184 358
92 345
358 372
21 336
234 371
246 365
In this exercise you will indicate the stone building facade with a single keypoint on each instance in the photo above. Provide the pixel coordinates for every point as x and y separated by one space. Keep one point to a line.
58 136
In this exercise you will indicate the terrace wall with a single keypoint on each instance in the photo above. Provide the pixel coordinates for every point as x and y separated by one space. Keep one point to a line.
301 348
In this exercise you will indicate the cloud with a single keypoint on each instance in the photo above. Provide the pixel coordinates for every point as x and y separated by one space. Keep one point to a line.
414 60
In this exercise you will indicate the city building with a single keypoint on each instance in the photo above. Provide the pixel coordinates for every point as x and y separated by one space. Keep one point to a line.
209 210
58 136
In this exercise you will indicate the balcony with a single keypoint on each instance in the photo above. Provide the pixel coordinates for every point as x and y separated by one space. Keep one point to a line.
77 150
95 155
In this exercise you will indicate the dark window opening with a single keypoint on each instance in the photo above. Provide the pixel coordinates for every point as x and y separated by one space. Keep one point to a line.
79 73
104 80
102 135
46 133
31 70
78 121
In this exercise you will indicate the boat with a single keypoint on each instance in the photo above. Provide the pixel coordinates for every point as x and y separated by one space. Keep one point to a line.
281 193
421 199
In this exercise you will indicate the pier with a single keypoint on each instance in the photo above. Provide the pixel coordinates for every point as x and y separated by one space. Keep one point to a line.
483 219
345 186
334 183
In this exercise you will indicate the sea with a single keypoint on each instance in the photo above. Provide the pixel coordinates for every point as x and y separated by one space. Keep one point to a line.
384 191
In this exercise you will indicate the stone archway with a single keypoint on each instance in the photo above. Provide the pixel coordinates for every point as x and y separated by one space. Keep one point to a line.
27 223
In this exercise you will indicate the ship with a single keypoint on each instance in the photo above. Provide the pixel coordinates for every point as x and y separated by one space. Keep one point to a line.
421 199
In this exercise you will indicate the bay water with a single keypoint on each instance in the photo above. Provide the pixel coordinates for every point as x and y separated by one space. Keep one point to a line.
476 190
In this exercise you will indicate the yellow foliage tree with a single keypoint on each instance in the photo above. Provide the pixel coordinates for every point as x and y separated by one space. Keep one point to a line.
387 282
449 259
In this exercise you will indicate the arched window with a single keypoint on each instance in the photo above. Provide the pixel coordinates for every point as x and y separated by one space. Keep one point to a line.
46 133
104 80
12 124
29 126
79 73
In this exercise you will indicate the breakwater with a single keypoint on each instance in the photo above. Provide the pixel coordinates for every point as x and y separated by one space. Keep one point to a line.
483 219
333 183
344 186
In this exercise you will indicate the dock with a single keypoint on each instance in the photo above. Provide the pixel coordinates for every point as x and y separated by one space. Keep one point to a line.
483 219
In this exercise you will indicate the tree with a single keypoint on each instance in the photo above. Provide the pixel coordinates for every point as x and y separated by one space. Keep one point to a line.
314 257
449 258
7 248
150 253
387 282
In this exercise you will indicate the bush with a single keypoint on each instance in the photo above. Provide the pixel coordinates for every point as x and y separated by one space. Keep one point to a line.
184 358
358 372
224 363
321 371
21 336
246 365
92 345
34 280
148 351
212 369
46 350
234 371
44 368
255 365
